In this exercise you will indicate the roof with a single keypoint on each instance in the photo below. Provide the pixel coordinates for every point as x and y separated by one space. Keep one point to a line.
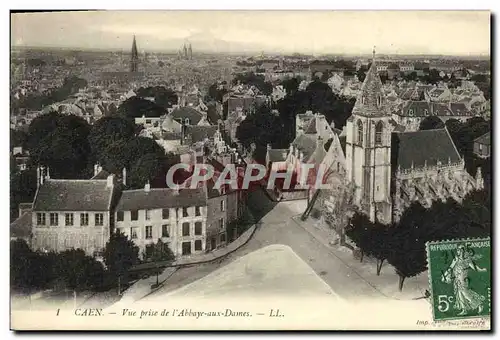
21 227
73 195
200 133
158 198
425 147
103 174
277 155
459 109
371 90
184 112
484 139
306 144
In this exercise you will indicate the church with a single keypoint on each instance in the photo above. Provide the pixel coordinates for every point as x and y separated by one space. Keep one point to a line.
387 167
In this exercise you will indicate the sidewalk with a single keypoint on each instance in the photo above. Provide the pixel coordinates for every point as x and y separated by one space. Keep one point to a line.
386 283
203 258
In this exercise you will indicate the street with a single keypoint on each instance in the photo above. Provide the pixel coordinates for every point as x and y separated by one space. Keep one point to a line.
278 227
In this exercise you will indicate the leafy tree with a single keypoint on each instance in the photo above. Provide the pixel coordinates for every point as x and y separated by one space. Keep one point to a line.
261 129
136 107
431 122
120 254
214 93
61 143
23 187
78 271
108 130
145 169
159 252
17 138
115 157
291 85
20 255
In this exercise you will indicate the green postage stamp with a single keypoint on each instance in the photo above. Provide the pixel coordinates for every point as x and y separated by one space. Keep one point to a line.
460 278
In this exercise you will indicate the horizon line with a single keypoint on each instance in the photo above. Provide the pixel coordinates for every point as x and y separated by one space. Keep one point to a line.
174 51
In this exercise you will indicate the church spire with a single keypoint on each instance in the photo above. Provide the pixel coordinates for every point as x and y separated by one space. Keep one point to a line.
134 60
370 98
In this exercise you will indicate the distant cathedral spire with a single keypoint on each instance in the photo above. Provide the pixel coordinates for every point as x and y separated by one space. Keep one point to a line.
134 60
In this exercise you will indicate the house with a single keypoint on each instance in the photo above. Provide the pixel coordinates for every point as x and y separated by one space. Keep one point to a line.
191 221
71 213
482 146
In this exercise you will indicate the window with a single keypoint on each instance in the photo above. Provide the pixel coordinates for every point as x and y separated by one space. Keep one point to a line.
54 219
119 215
223 238
133 232
379 100
164 231
149 232
99 219
185 229
426 112
186 248
378 133
134 215
185 212
222 205
410 112
197 228
360 132
147 214
84 219
198 211
40 219
165 213
68 219
197 245
222 224
480 147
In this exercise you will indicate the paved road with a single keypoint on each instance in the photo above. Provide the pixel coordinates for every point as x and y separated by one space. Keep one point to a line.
277 227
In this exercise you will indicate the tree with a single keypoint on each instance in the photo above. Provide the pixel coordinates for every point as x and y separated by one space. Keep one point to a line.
17 138
431 122
120 254
160 251
136 107
78 271
144 170
261 129
108 130
291 85
61 143
20 255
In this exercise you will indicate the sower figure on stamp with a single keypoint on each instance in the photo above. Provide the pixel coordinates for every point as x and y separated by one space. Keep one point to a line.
458 273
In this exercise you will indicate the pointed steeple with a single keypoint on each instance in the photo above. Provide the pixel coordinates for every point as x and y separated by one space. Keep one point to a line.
370 100
134 59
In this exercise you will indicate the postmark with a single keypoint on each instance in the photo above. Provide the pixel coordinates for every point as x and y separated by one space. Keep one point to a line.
460 278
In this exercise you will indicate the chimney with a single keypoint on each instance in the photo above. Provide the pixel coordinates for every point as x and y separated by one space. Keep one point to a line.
110 181
268 146
42 175
48 173
38 176
319 141
124 176
96 167
147 187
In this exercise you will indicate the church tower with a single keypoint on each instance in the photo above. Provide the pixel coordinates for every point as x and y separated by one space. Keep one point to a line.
368 149
134 60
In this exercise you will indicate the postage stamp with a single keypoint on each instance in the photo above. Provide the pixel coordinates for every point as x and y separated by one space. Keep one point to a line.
460 278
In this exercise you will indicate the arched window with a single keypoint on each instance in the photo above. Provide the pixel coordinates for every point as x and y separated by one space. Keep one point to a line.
378 133
360 132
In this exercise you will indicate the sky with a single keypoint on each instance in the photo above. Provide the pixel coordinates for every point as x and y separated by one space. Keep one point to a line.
317 32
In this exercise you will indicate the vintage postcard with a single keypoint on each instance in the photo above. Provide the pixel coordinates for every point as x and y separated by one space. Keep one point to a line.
250 170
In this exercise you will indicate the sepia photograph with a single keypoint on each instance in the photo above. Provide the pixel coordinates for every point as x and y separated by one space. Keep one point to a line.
250 170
